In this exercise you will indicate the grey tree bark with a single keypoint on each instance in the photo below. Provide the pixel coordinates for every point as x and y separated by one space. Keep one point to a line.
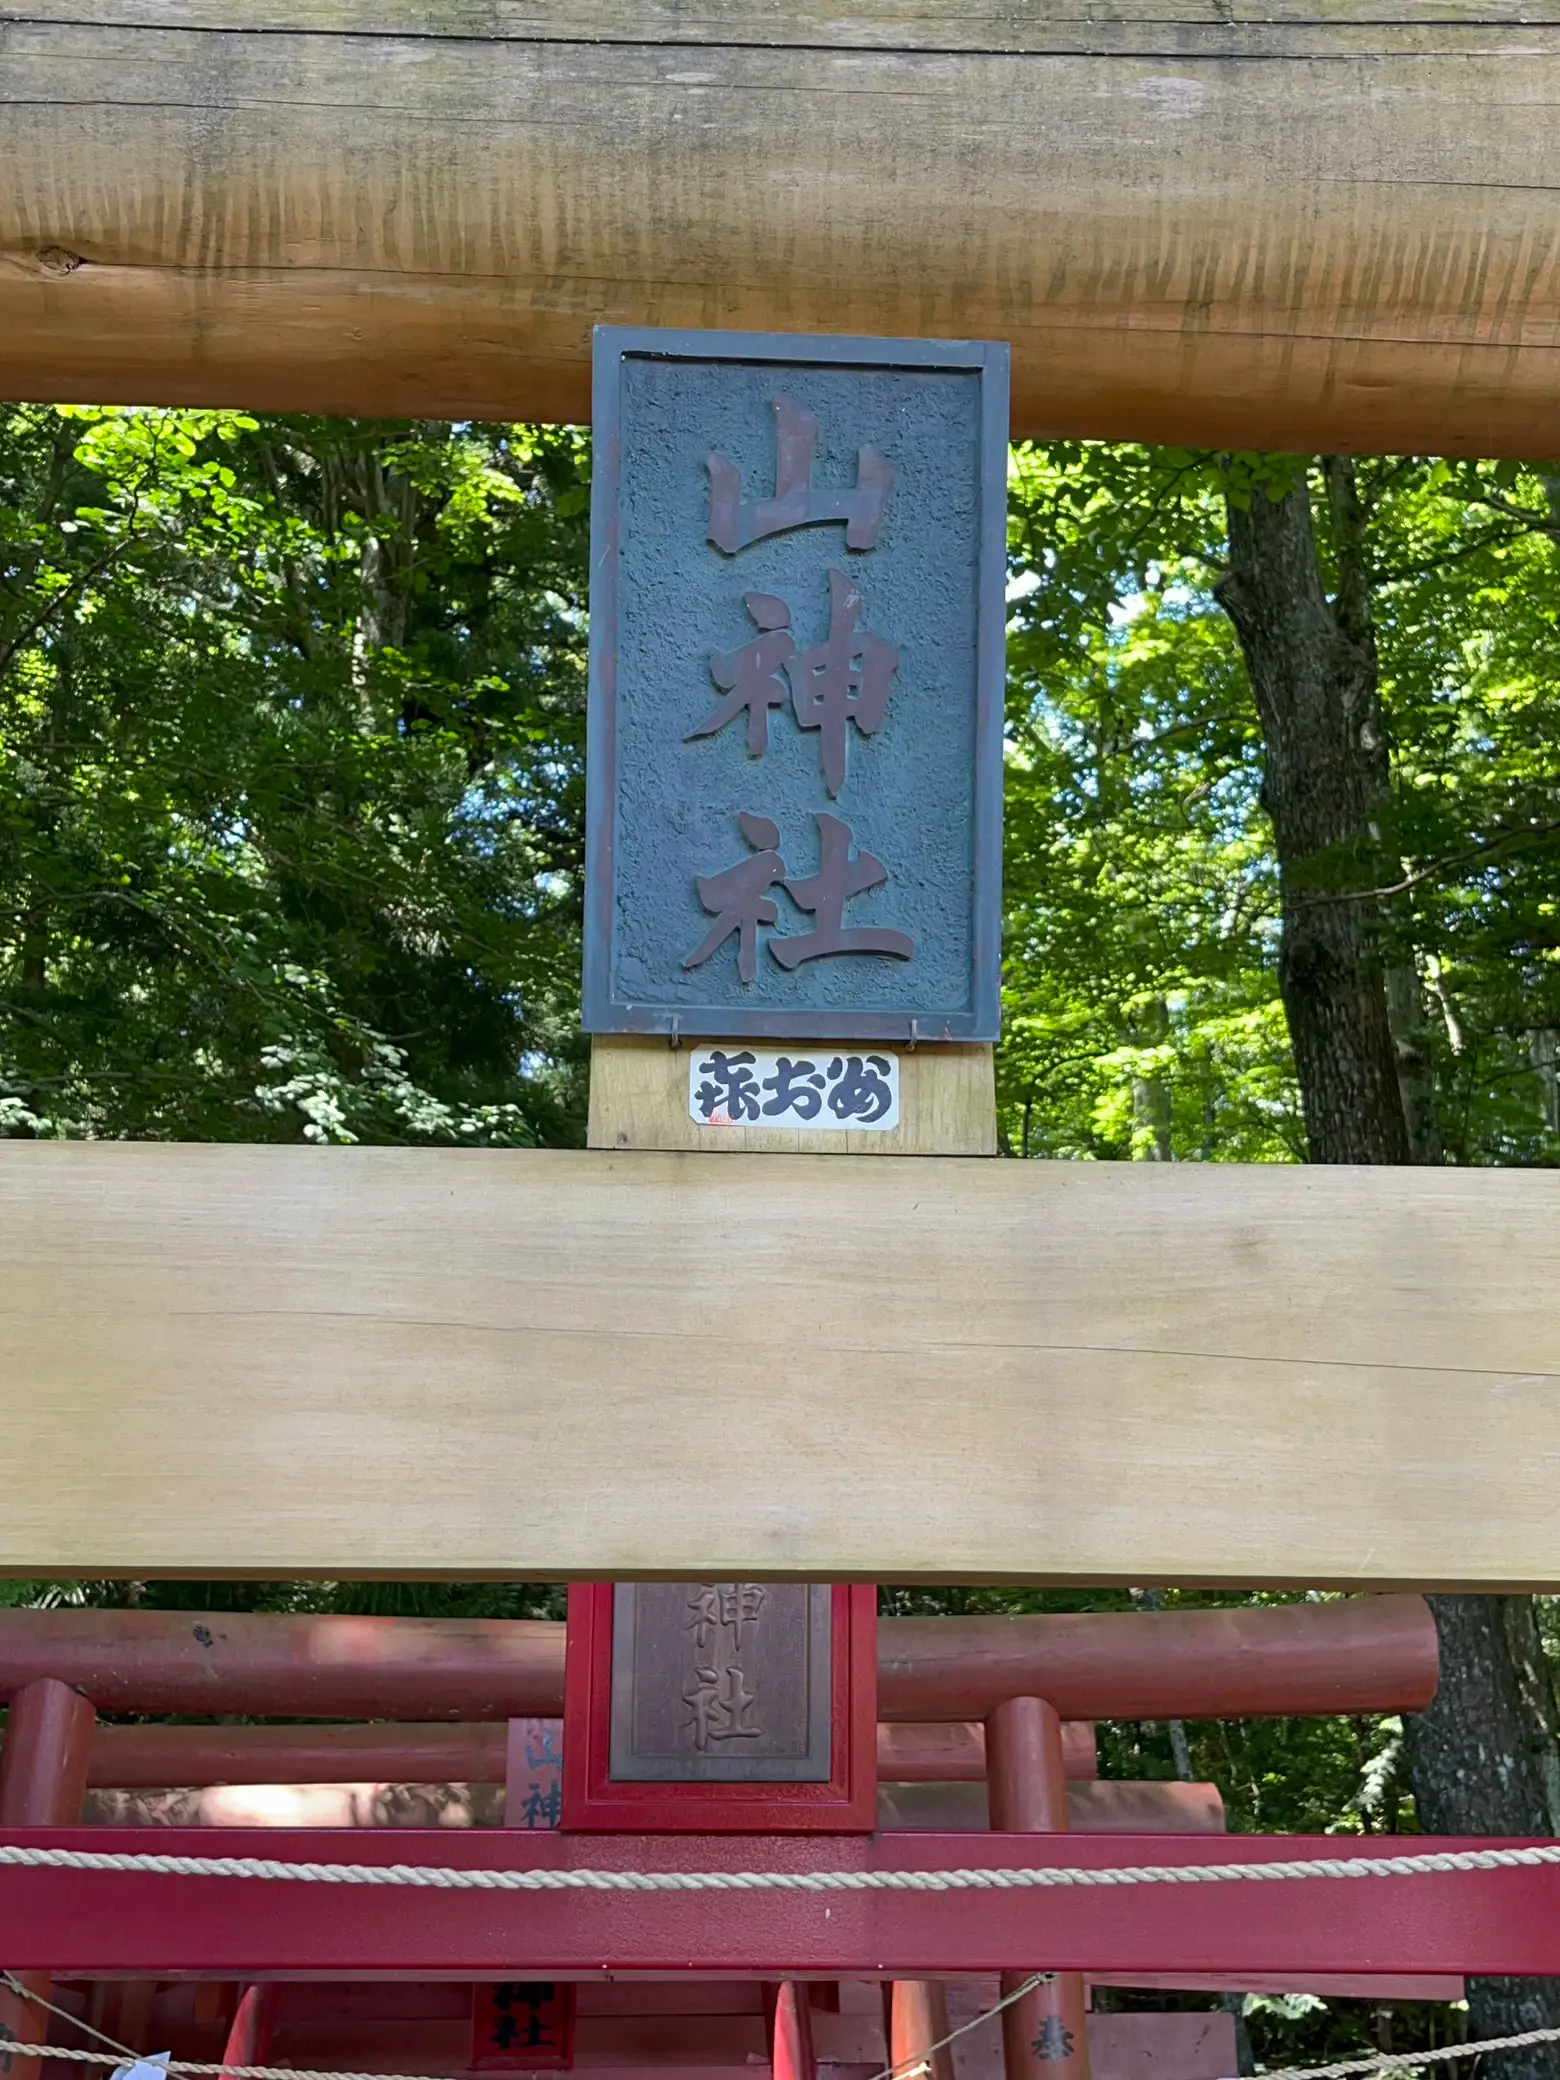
1483 1758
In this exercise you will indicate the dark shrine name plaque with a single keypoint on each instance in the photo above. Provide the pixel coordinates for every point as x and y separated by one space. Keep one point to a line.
720 1707
720 1683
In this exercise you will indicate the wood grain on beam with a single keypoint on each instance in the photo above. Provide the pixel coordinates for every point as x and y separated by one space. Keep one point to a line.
269 1361
1312 229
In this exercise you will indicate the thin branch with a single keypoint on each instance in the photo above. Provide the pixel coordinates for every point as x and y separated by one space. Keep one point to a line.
1508 841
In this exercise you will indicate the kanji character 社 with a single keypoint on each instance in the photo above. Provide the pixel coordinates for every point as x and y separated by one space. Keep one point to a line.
750 677
737 898
842 679
825 894
721 1704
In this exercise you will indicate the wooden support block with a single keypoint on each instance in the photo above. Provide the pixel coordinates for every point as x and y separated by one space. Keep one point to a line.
263 1361
639 1100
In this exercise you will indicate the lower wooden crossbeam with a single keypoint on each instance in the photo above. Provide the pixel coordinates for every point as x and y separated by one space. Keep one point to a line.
527 1365
104 1923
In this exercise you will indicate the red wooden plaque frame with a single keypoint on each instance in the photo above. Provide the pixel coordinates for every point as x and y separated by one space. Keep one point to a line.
594 1803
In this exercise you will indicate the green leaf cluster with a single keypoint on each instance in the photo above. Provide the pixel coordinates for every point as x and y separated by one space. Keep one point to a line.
291 768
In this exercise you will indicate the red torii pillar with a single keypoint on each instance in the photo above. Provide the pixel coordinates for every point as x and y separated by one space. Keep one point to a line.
1026 1788
788 2026
43 1779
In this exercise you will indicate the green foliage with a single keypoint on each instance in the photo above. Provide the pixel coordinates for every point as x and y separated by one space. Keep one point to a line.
1143 1017
291 750
291 736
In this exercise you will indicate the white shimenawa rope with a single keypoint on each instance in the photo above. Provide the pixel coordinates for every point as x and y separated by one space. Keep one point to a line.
443 1879
1340 2069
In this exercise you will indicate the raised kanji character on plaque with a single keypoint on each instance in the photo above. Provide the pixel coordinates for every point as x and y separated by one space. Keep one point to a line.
736 897
750 676
843 679
734 522
825 894
722 1706
741 1605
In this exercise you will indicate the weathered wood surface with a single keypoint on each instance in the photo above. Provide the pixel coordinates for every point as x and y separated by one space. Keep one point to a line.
268 1361
639 1099
1288 225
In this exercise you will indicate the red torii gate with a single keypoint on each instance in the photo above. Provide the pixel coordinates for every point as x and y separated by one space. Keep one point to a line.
1004 1699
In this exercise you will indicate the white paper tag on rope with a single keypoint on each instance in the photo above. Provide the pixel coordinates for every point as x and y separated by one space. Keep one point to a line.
817 1089
152 2067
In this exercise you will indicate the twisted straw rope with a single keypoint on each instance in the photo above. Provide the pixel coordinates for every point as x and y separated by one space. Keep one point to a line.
443 1879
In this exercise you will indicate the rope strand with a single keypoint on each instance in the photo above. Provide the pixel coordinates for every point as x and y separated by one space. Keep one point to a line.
435 1877
1341 2069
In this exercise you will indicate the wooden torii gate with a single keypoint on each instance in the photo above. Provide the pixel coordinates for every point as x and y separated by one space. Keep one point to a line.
1286 232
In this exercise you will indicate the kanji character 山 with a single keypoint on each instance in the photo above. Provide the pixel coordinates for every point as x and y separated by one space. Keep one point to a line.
735 521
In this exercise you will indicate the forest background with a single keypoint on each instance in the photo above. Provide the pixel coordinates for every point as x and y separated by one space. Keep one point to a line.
291 837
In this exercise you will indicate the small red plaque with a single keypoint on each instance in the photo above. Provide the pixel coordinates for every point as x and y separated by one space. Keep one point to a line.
522 2026
720 1708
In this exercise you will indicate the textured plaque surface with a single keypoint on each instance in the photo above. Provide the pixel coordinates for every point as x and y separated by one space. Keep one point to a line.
797 624
720 1682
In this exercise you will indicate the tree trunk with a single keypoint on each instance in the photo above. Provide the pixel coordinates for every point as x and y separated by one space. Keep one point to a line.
1153 1138
1415 1063
1483 1758
1313 678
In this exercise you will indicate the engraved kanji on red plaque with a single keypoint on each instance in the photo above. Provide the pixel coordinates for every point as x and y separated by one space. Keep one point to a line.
522 2026
720 1707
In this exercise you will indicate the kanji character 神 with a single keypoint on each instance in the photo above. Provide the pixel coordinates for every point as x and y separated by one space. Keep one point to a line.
734 1605
737 900
825 894
730 1091
543 1804
751 676
735 522
842 679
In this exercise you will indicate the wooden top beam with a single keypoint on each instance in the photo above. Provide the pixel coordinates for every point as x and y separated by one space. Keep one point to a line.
1301 226
262 1361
